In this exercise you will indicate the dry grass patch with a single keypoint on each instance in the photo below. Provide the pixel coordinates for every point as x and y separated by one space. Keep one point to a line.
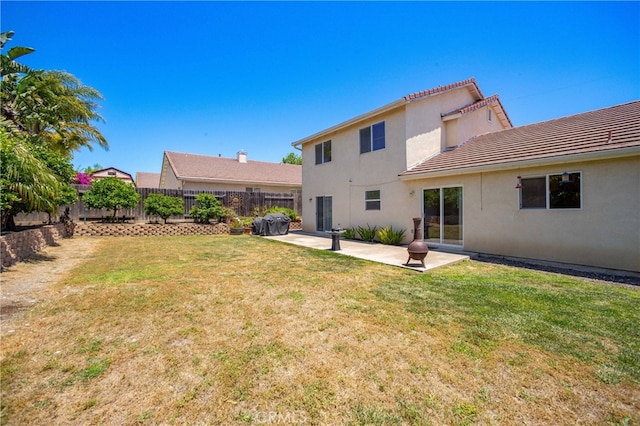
241 330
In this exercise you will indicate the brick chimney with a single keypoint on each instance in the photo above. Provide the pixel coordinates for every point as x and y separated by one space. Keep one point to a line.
242 156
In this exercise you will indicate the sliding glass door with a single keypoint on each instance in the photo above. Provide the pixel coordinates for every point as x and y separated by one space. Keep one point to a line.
324 214
443 215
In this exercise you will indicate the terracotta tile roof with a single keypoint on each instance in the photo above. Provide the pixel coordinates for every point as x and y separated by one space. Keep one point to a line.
208 168
494 99
609 131
400 103
147 180
471 82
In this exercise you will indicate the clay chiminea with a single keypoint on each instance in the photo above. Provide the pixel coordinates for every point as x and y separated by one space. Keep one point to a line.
418 249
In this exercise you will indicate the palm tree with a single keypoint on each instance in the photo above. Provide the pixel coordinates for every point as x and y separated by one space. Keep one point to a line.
10 72
41 110
26 184
8 66
54 107
66 110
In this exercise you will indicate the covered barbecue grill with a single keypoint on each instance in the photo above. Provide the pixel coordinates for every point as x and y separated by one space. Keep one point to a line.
271 224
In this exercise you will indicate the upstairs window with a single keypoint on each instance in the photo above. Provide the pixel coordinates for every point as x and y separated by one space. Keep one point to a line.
559 191
323 152
372 200
372 138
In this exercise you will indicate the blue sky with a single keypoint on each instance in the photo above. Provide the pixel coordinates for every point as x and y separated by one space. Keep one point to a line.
216 77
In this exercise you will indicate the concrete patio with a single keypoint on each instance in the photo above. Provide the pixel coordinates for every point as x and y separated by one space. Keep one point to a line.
391 255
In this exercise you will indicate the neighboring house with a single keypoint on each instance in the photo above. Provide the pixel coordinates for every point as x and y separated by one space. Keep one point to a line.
113 172
147 180
565 190
207 173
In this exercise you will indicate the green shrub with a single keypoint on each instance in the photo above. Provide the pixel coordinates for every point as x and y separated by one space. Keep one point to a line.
349 233
227 214
368 233
388 235
163 206
111 193
209 207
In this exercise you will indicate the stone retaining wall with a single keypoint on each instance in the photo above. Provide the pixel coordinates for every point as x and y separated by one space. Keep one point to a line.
92 229
148 230
17 246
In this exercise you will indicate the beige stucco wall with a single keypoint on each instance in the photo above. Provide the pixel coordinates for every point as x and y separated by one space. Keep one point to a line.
425 134
170 180
349 174
477 122
603 233
414 132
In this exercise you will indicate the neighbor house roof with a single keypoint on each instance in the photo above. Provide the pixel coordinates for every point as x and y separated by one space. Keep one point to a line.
608 132
204 168
470 84
112 172
147 180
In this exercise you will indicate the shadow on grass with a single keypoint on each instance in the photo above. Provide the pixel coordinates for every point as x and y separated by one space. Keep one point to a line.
41 257
35 258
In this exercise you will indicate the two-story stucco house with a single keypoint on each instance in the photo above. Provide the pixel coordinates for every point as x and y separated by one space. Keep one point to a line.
566 190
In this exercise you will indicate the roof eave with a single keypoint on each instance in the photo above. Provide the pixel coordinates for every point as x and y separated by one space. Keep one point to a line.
493 100
451 116
597 155
469 83
239 181
386 108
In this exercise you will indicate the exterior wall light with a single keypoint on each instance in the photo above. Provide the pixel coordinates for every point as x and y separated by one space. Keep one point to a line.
519 184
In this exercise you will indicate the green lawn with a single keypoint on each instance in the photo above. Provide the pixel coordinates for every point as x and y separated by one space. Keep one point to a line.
244 330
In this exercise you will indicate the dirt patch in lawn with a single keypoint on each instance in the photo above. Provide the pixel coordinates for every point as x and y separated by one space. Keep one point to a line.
27 283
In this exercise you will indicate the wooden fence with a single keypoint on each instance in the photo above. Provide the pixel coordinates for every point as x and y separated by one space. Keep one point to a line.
244 204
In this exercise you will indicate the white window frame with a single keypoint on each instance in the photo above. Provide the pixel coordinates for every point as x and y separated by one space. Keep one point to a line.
373 203
323 151
443 241
370 147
